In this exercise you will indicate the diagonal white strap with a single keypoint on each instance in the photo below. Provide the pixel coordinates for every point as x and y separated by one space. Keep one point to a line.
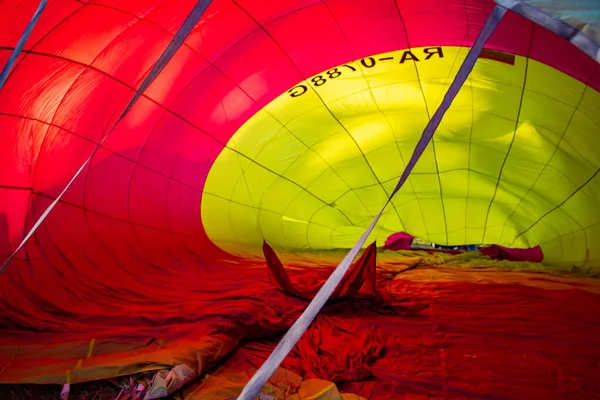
289 340
163 60
555 24
21 43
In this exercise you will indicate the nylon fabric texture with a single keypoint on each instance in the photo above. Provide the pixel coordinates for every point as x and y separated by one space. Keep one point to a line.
290 123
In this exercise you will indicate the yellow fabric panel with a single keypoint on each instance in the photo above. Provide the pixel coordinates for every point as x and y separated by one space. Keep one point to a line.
511 163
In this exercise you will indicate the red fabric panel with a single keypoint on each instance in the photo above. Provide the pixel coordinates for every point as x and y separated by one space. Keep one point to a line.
533 254
419 17
13 24
280 10
310 60
138 8
360 33
13 202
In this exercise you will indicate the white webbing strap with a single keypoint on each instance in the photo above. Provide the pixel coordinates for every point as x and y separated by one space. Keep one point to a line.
289 340
163 60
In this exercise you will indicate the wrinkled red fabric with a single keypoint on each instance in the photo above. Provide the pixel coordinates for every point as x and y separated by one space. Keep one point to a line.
476 340
532 254
359 280
399 241
331 349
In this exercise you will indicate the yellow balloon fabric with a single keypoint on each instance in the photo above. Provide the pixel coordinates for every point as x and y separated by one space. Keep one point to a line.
313 167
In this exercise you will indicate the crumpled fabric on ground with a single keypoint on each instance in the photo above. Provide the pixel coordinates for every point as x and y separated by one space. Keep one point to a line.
360 284
359 280
331 349
486 332
228 382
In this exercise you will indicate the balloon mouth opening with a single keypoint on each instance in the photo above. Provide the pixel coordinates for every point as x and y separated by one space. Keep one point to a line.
309 171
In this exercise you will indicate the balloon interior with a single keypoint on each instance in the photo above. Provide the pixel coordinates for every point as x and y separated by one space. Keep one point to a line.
180 179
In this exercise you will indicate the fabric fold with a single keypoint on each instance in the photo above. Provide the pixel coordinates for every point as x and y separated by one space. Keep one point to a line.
532 254
359 281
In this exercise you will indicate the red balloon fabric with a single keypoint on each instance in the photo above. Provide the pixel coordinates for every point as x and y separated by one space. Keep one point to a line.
533 254
123 276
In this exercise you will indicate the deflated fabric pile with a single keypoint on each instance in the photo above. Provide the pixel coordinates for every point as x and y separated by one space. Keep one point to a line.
442 331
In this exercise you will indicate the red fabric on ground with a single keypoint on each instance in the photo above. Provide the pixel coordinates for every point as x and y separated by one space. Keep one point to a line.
331 350
476 340
532 254
484 334
399 241
360 278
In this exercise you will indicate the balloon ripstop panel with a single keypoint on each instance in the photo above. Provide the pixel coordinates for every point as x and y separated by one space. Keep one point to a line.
312 167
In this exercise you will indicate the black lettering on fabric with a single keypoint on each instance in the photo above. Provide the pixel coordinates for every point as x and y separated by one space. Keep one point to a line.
430 51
